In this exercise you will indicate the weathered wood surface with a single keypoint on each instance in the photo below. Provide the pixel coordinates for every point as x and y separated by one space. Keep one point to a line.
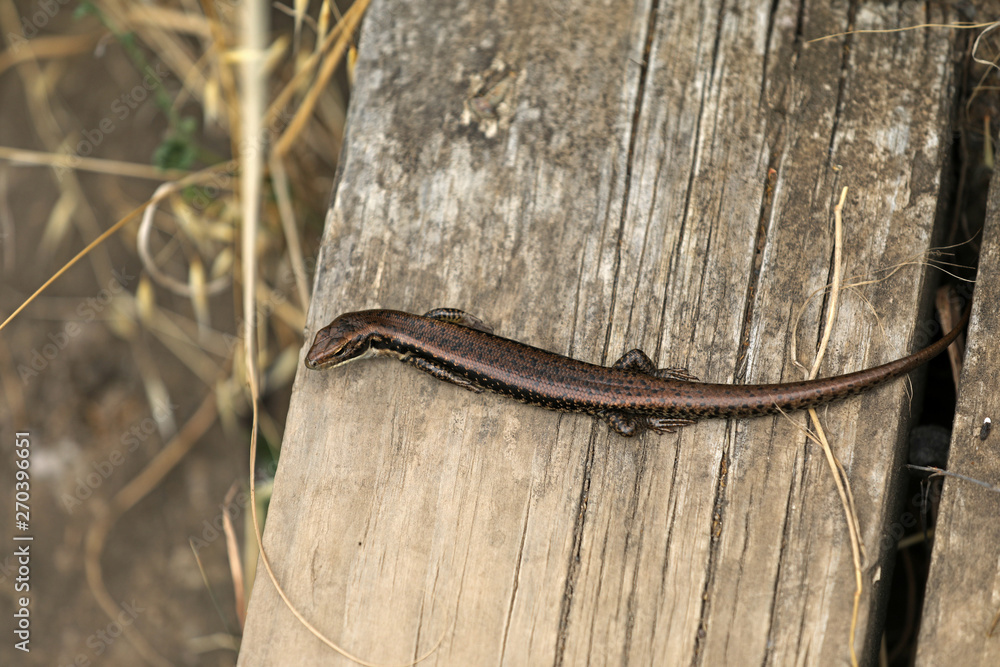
627 204
960 625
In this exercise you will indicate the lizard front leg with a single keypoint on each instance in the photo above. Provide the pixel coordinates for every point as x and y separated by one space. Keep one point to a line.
456 316
442 373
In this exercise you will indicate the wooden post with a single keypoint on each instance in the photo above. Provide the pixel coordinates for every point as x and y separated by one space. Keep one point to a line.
591 177
961 613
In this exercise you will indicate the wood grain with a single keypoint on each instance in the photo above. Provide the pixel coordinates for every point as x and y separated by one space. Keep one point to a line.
624 201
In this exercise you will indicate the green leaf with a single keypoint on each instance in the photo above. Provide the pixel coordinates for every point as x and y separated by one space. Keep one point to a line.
175 153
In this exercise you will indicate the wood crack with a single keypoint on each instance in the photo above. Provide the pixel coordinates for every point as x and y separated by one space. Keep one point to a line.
767 653
574 565
845 59
573 570
718 504
638 490
514 583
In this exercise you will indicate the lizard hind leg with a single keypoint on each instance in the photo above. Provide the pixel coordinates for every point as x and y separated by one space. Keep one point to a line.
622 424
666 424
460 317
637 362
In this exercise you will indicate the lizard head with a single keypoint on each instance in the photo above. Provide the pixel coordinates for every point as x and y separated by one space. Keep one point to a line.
345 339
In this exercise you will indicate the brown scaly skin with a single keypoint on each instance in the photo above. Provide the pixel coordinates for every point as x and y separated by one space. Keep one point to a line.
632 395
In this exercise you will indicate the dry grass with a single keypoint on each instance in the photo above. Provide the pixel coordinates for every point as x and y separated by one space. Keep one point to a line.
253 114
